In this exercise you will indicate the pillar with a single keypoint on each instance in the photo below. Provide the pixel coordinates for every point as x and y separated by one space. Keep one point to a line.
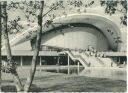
78 67
21 61
58 61
68 65
119 59
40 61
68 70
68 61
40 64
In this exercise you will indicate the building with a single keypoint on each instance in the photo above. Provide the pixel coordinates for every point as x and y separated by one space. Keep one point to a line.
75 31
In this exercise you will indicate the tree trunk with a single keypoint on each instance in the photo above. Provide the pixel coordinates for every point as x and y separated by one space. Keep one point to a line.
36 51
7 45
0 51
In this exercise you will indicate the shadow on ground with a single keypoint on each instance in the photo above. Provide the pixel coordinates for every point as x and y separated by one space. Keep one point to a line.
71 83
83 84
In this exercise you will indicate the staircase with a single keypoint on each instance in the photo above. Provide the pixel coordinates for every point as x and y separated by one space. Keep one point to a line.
90 61
101 61
94 61
83 61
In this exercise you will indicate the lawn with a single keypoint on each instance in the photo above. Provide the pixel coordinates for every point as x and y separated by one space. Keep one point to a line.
58 82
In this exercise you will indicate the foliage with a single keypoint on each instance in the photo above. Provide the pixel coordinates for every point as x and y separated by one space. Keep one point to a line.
117 40
59 4
31 9
111 7
9 67
76 3
79 3
13 26
28 8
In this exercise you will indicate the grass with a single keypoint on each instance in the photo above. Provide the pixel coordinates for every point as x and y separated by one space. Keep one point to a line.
56 82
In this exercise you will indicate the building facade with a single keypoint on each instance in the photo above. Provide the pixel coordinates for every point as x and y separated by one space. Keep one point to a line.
74 28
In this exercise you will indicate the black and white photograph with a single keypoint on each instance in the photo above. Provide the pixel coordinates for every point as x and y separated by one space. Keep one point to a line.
63 46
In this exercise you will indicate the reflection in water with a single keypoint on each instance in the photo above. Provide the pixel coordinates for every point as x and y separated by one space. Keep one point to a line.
112 73
70 70
99 72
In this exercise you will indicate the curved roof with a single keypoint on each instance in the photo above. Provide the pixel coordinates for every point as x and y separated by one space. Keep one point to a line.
108 27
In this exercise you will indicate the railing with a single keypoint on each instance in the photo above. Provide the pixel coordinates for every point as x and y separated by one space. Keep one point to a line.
78 57
100 61
83 60
123 53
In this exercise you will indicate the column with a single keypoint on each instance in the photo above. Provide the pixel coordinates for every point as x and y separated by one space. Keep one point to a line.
58 61
68 61
40 61
68 65
119 59
78 67
68 70
40 64
21 61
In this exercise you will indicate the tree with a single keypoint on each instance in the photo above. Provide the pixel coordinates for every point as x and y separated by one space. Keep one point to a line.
11 67
36 51
118 40
111 7
0 49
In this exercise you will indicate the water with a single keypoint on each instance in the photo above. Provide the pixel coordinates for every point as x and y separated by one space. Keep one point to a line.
70 70
112 73
99 72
